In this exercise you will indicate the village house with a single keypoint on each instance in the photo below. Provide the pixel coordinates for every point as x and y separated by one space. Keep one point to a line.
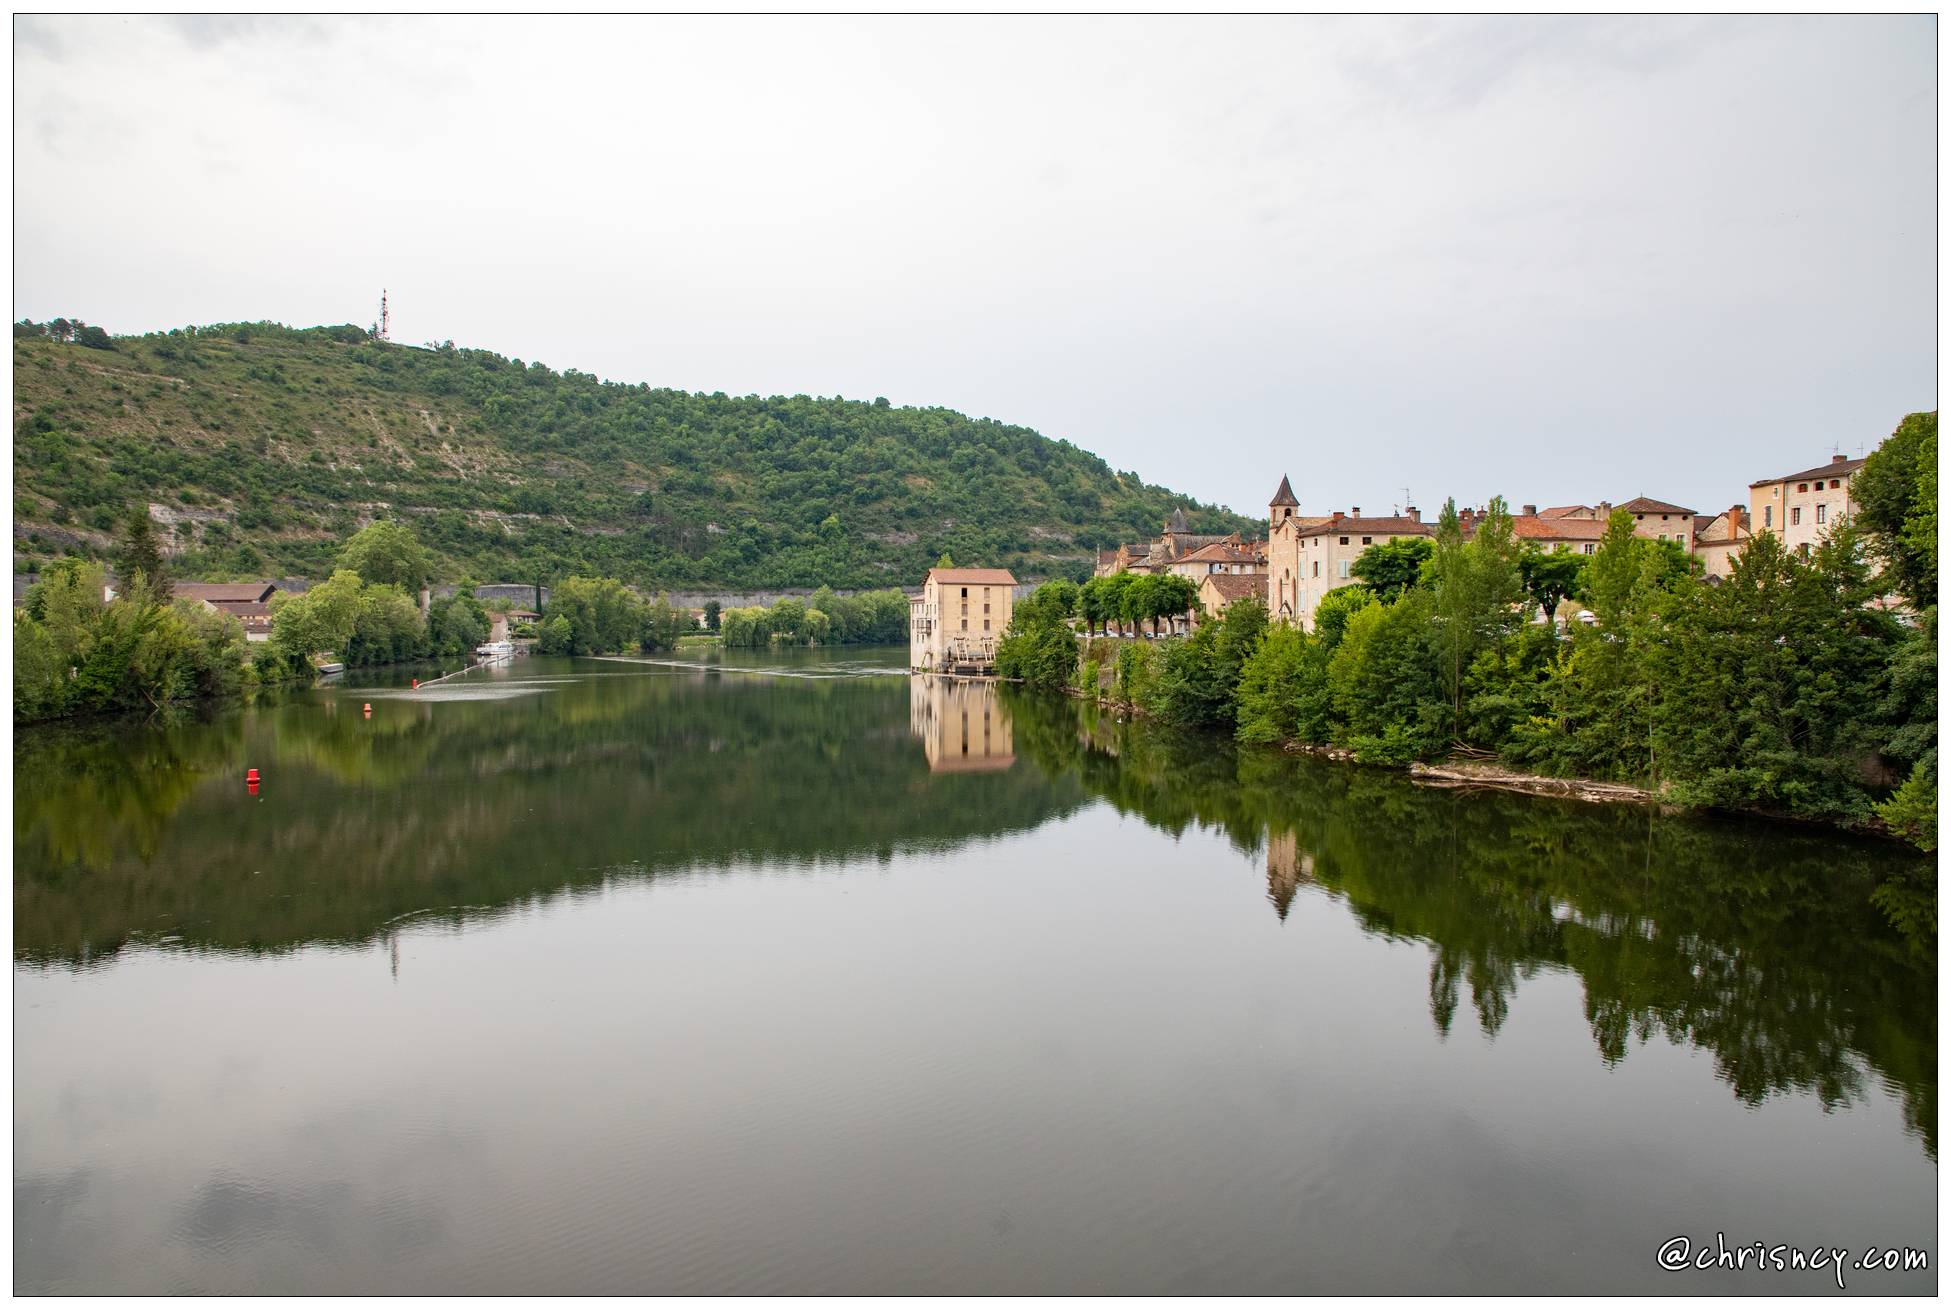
1718 540
1218 590
957 619
1658 520
1799 507
1231 556
1172 546
248 602
1309 557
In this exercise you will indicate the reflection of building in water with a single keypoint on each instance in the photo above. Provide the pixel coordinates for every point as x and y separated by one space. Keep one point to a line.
962 724
1287 868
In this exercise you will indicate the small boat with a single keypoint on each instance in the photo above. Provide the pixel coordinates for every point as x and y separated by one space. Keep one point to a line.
495 650
334 667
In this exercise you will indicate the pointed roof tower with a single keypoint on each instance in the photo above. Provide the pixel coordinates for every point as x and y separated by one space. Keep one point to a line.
1177 523
1285 496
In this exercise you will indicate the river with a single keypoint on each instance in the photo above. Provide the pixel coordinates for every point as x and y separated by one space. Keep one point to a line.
783 972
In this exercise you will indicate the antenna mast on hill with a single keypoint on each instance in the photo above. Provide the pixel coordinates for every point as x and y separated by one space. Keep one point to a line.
385 322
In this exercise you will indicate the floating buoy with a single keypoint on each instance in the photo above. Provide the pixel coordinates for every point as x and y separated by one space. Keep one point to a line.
416 684
250 776
369 709
251 786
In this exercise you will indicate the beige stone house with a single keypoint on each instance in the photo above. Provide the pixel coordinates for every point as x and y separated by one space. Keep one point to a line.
1799 507
1231 556
1218 590
1718 540
954 624
1659 520
1170 547
1309 557
247 602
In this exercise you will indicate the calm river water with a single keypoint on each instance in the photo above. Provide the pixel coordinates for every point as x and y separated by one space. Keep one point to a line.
792 974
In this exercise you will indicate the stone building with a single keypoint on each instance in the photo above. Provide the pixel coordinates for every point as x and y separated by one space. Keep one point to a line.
962 725
1799 507
1718 540
1307 557
954 624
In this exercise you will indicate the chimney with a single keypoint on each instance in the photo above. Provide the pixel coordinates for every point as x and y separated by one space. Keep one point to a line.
1414 513
1337 516
1530 511
1838 458
1354 511
1605 510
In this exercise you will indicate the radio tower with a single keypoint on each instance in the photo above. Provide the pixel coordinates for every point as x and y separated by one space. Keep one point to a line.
385 325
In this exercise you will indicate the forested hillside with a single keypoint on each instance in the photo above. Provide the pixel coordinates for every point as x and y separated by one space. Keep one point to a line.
263 446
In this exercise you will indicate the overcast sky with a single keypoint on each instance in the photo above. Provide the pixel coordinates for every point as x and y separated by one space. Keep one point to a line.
1563 260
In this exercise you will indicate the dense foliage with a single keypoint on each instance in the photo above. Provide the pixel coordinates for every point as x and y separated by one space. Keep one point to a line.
266 444
873 618
77 653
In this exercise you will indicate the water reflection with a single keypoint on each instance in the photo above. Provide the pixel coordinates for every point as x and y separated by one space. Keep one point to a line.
1760 943
961 723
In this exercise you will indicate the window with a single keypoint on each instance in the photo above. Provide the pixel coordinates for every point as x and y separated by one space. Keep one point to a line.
1834 483
1767 516
1317 568
1344 568
1801 486
1663 518
965 593
965 625
985 625
1368 541
1822 513
1344 541
985 607
1588 548
1795 515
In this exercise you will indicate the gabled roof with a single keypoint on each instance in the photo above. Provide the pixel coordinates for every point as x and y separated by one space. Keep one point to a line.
1835 468
1564 511
1285 496
1647 505
1386 527
1536 527
1221 552
215 592
1232 586
978 577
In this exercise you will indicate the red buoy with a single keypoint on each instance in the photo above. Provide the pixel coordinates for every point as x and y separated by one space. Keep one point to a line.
369 709
251 786
250 776
416 684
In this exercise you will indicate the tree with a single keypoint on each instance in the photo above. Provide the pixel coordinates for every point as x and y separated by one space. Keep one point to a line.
384 552
140 558
1548 576
1475 587
87 334
712 611
1394 566
947 561
1896 490
458 623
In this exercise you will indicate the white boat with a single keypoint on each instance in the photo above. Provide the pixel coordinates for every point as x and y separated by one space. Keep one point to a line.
495 650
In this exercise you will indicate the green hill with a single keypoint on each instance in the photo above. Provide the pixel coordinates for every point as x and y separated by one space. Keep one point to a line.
264 446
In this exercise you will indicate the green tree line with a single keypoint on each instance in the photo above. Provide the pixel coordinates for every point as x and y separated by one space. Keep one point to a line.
1788 687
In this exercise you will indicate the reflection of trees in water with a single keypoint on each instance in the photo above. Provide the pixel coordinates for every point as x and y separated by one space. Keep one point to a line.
1757 942
428 807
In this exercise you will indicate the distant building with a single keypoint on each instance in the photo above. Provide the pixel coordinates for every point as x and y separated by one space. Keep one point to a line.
1662 520
1171 547
1718 540
248 602
1218 590
1308 557
958 618
1231 556
1659 520
1799 507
